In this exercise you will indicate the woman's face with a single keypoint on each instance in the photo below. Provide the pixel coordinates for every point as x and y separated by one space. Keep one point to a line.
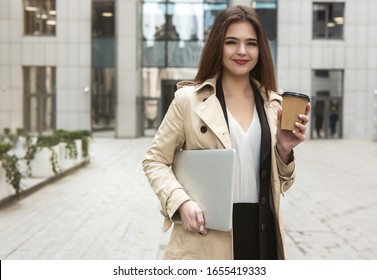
240 49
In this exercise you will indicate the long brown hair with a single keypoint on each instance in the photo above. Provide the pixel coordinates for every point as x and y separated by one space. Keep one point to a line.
211 59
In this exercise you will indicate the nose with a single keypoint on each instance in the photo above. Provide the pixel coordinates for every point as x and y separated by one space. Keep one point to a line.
241 49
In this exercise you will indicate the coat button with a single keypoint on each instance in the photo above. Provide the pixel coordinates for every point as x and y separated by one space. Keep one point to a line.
203 129
262 227
264 200
263 173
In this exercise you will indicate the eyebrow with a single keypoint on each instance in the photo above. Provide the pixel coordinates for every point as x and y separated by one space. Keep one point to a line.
234 38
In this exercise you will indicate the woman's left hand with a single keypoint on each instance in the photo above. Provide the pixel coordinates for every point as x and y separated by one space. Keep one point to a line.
287 140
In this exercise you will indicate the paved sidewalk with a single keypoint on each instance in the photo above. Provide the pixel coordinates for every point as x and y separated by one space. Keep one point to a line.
107 210
331 211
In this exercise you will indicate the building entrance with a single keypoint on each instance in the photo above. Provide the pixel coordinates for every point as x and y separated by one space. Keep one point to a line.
327 105
153 109
326 118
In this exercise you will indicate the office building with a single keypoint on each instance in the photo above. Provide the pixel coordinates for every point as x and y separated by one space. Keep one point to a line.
113 64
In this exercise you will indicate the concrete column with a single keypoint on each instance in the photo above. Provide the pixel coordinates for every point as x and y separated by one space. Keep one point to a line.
70 52
128 67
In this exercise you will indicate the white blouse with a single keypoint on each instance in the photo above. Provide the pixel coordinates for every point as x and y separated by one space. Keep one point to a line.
247 144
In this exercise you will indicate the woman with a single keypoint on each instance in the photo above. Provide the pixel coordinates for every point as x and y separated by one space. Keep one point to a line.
231 104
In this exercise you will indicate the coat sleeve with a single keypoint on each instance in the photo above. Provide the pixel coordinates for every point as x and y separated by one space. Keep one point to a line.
286 172
169 138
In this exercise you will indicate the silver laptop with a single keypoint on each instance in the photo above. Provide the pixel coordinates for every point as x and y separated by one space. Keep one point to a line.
208 178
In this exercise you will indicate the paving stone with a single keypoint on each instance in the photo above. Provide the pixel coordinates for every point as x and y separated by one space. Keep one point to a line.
106 210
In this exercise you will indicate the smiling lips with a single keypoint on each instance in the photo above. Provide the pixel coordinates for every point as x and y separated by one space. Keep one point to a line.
241 61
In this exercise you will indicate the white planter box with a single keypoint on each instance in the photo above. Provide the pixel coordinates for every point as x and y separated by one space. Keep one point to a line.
19 150
89 144
79 151
41 165
66 162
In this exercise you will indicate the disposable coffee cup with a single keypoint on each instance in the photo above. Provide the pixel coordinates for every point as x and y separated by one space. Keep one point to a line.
294 104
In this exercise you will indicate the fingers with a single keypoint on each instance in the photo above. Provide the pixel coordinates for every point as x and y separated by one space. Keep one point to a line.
289 140
299 134
304 119
301 127
200 222
308 107
192 217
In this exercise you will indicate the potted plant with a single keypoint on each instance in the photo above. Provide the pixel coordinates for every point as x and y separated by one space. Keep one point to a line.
74 147
8 137
9 172
46 154
4 148
85 137
68 149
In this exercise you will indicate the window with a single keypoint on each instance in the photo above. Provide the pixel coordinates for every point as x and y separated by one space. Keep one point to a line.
103 33
267 12
103 90
39 98
328 20
174 31
103 23
39 17
330 81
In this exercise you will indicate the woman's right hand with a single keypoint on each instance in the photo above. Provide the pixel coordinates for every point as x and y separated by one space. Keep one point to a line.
192 217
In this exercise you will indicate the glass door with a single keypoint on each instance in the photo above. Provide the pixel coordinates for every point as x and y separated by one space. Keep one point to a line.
327 104
326 118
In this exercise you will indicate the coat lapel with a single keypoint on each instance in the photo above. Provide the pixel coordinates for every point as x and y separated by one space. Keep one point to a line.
211 113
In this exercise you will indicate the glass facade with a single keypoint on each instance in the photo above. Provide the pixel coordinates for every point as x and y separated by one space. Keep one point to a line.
328 20
327 85
327 89
174 31
39 17
173 36
39 98
267 12
103 65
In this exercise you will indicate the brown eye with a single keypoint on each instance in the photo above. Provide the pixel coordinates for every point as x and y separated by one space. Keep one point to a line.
252 44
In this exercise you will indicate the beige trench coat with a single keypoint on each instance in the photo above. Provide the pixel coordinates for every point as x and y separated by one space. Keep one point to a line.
193 108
